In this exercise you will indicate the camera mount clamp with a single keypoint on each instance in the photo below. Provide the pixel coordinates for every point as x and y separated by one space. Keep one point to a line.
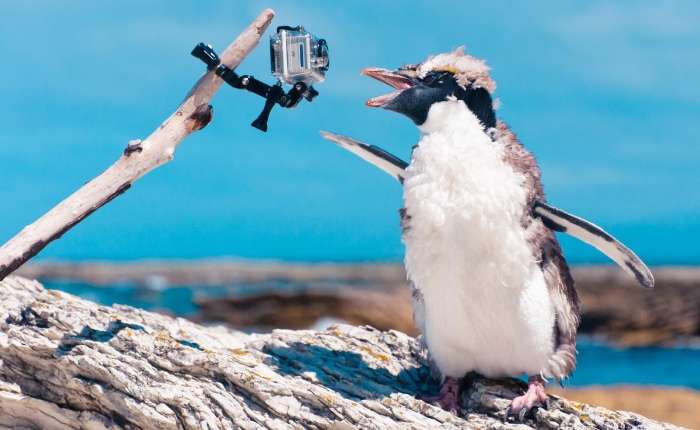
272 94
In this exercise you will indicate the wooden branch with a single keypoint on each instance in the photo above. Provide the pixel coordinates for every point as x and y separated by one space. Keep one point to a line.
139 158
69 363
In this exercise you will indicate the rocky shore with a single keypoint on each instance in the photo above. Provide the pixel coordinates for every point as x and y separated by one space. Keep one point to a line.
70 363
269 295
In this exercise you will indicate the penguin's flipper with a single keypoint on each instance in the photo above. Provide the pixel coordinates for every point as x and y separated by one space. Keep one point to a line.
558 220
554 218
390 164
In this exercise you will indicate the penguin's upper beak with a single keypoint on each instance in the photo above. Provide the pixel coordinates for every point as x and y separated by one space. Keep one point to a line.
400 80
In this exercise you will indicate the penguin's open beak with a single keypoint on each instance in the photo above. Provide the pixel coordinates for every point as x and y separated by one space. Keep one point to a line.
400 80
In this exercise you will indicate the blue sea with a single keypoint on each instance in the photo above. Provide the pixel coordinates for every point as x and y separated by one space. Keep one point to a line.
598 363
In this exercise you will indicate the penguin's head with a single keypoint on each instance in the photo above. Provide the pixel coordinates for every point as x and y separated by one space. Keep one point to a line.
453 76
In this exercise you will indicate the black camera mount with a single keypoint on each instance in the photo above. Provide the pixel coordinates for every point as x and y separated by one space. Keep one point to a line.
272 94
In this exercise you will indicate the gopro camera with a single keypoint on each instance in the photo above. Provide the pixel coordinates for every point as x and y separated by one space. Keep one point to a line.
298 56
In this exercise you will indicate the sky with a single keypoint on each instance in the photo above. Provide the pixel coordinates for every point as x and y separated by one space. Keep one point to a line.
605 94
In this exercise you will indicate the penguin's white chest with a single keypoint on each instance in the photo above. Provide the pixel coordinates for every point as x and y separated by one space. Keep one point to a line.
485 306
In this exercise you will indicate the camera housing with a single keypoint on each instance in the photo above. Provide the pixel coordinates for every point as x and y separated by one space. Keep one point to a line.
298 56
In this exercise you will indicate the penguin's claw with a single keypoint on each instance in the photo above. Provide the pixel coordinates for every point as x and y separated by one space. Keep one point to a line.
448 396
535 396
521 415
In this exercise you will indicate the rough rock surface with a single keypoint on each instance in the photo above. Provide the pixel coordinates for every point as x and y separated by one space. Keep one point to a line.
69 363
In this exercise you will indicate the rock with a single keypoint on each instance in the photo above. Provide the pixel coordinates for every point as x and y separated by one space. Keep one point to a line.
70 363
673 404
380 308
616 308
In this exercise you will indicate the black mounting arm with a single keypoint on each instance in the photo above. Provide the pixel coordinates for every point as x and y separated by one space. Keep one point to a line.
272 94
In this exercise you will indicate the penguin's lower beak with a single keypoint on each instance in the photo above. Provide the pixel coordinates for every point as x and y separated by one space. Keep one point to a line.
395 79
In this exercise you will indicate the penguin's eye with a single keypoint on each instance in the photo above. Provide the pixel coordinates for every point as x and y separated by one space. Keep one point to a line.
433 78
429 78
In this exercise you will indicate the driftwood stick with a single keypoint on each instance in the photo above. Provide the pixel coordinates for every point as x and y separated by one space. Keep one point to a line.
139 158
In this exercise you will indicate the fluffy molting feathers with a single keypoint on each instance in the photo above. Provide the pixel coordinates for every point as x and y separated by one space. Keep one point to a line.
467 70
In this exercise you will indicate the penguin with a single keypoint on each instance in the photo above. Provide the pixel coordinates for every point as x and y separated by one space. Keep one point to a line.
491 290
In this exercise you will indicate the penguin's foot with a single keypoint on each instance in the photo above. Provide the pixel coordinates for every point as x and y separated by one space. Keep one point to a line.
534 396
448 396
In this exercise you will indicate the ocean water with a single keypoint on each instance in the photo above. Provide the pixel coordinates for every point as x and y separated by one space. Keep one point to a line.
598 363
605 365
614 129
